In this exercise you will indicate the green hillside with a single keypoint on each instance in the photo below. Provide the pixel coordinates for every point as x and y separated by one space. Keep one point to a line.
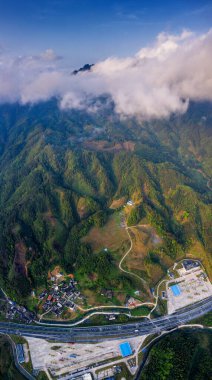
181 355
60 171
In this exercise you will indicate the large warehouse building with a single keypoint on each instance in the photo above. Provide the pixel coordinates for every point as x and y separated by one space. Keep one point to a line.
125 349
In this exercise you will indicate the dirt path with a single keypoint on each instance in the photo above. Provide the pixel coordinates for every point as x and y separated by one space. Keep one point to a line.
112 307
127 253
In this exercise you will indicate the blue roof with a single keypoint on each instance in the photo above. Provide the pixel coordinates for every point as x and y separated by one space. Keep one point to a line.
175 290
20 353
125 349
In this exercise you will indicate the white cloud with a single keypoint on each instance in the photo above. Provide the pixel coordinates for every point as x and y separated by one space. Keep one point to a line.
50 55
157 81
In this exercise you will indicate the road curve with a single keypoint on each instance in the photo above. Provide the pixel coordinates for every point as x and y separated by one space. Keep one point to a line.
109 332
127 253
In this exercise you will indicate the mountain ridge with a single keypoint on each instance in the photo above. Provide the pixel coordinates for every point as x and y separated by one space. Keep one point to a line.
48 168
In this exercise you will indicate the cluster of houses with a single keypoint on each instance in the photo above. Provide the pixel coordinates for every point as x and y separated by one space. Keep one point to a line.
130 202
15 311
107 293
131 302
60 297
190 264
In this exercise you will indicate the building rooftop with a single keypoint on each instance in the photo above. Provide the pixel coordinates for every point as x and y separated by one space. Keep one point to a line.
20 353
190 264
125 349
87 376
175 290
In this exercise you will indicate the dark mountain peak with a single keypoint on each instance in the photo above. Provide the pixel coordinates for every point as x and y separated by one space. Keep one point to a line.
86 67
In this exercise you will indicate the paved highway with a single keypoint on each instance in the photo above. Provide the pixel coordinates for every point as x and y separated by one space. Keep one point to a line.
109 332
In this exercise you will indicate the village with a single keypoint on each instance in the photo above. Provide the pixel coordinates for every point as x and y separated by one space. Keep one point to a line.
61 295
18 312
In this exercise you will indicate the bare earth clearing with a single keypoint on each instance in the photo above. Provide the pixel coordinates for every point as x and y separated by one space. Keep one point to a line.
111 236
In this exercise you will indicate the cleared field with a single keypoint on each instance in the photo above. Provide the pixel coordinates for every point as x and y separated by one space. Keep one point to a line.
114 237
117 203
144 239
111 236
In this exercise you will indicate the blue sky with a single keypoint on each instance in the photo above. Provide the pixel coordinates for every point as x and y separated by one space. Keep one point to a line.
90 30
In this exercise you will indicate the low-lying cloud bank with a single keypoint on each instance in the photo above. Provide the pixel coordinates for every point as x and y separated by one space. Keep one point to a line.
157 81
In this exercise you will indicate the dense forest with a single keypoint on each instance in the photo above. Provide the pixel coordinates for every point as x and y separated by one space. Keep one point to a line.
60 171
8 371
182 355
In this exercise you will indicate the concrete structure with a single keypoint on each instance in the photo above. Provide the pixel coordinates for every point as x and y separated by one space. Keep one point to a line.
87 376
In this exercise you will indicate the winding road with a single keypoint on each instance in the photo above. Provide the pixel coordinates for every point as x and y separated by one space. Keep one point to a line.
127 253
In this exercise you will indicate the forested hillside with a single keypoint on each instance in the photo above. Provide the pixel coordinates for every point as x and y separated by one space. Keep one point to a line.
60 171
181 355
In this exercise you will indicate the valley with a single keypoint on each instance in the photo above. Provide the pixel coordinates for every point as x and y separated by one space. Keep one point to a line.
62 201
105 190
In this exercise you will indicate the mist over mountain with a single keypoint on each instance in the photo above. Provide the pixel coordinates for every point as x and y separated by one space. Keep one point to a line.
105 189
159 80
86 67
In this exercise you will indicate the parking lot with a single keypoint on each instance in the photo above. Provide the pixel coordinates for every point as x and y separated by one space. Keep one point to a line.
62 358
193 286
